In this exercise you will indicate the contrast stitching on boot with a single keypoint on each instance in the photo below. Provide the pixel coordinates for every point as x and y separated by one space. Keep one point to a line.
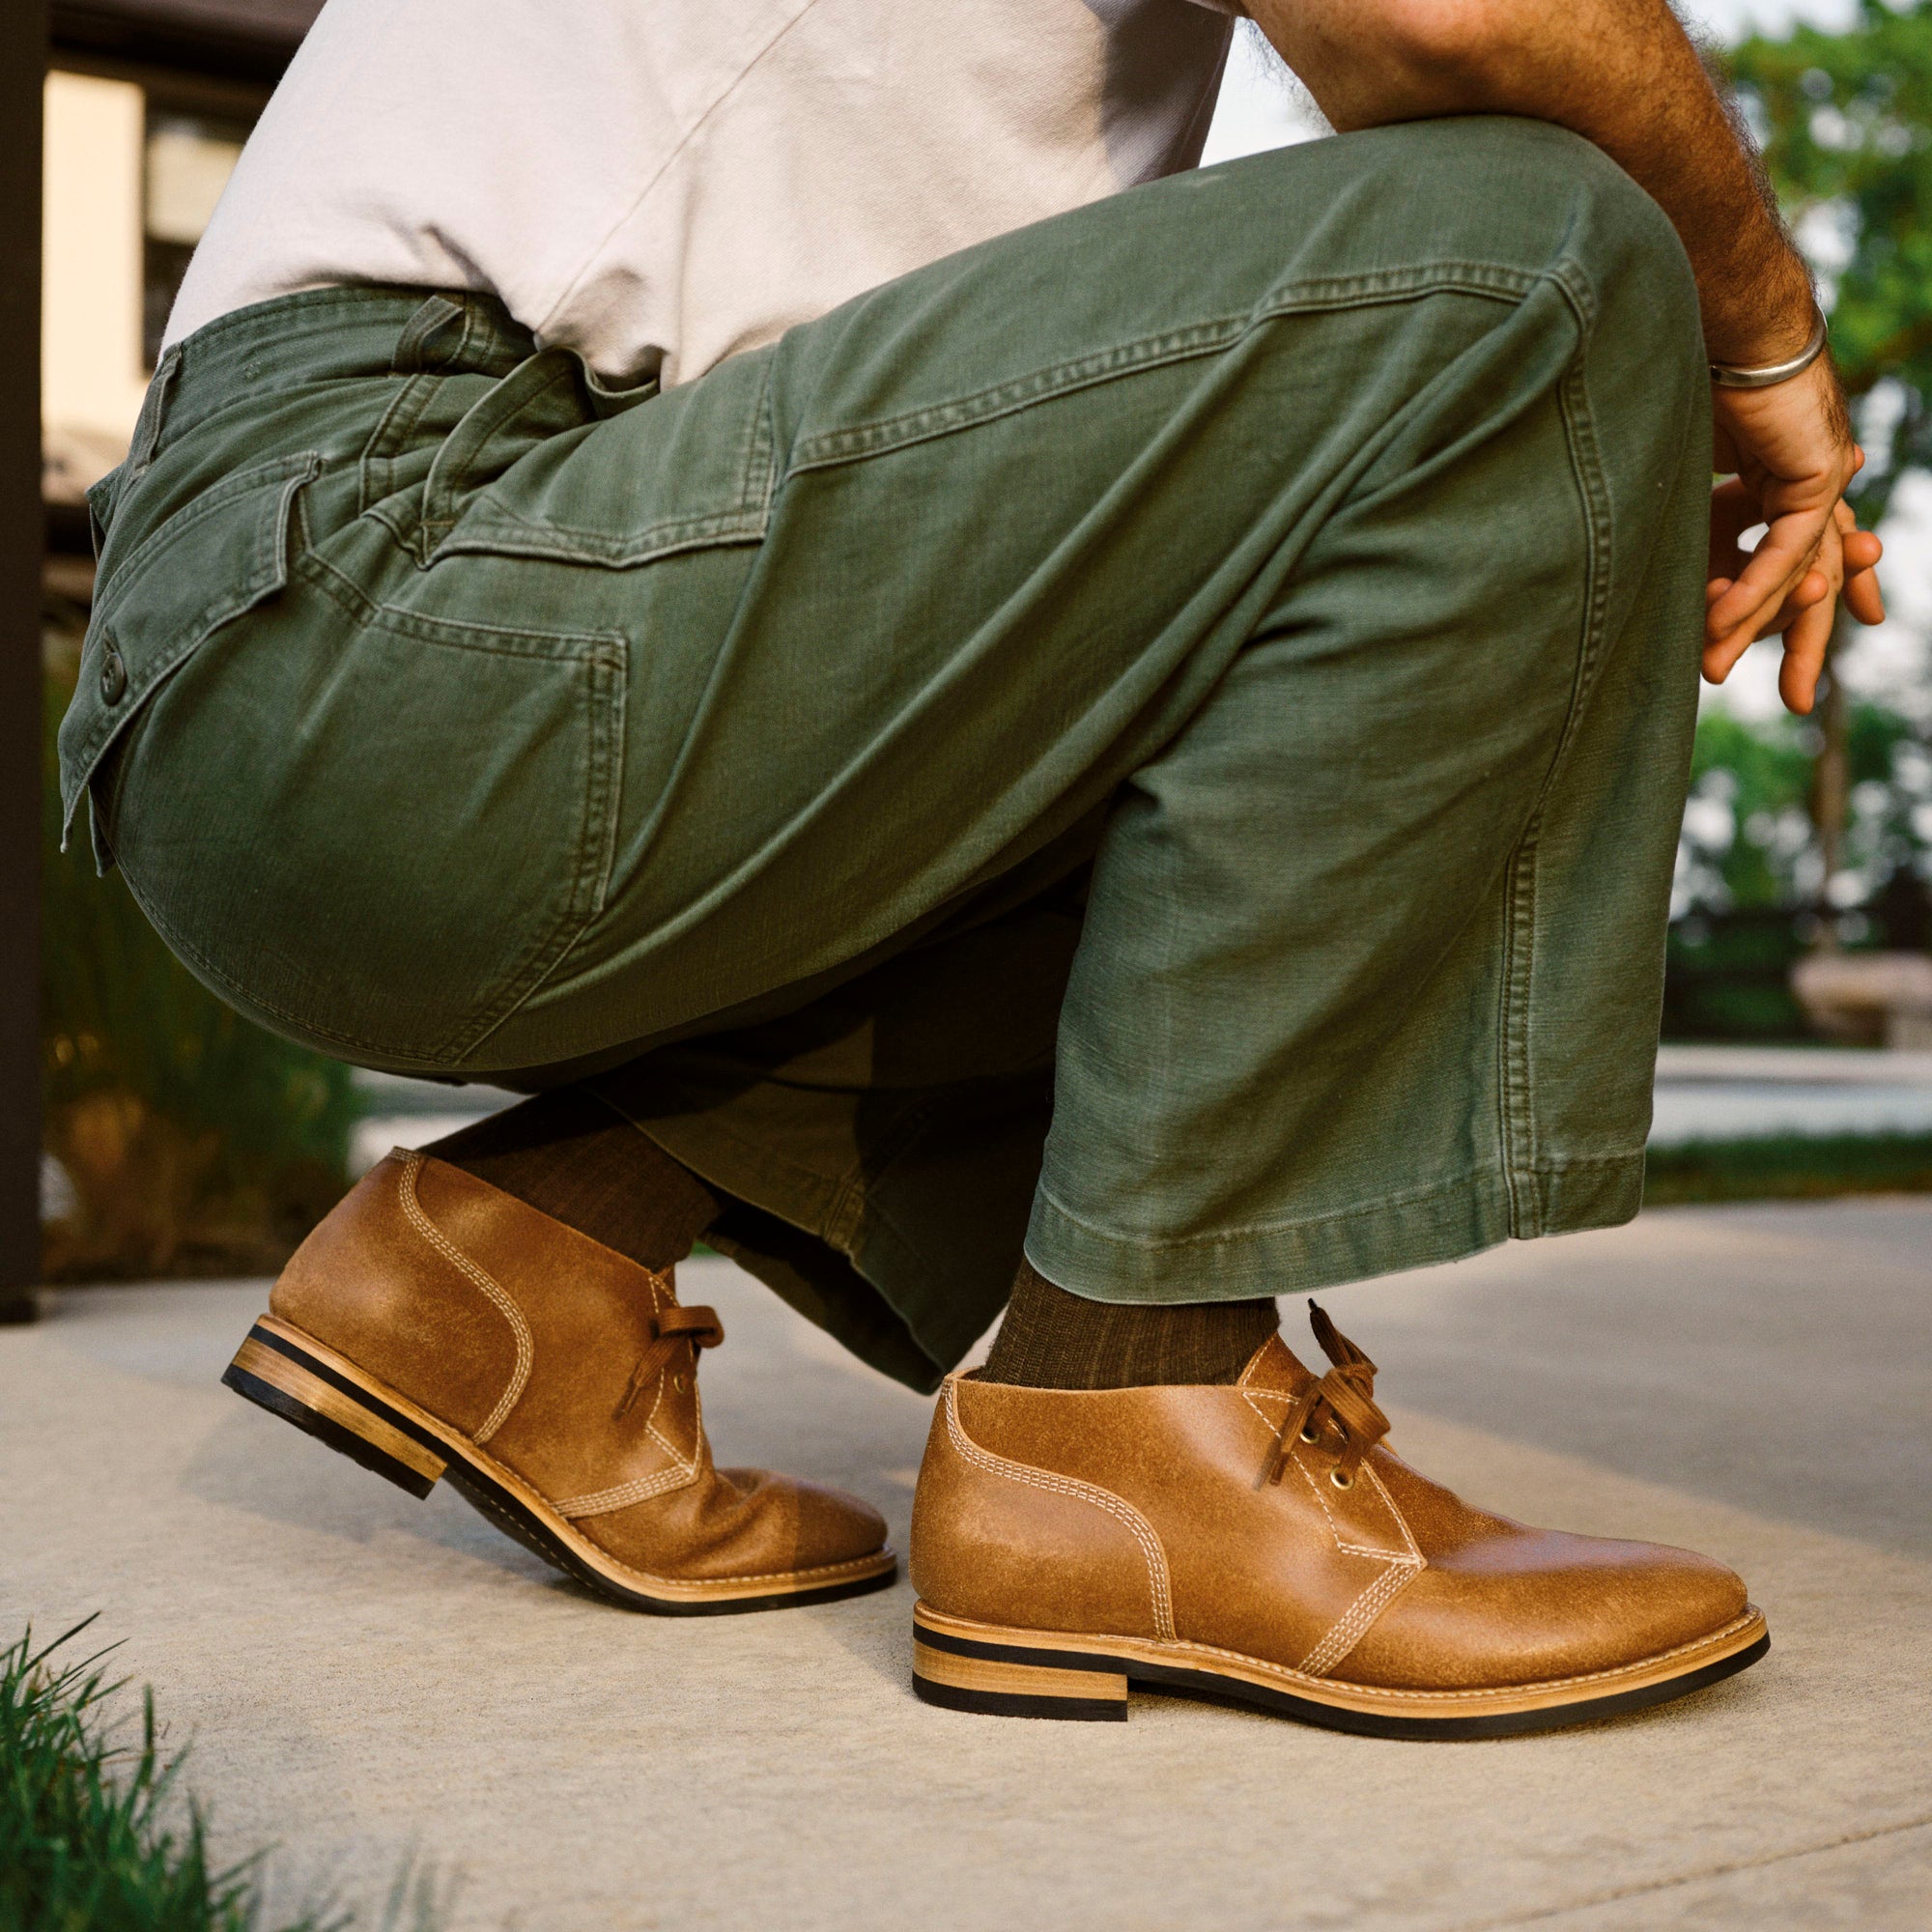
656 1282
495 1289
1314 1487
1069 1485
1348 1630
683 1468
1488 1693
484 1502
657 1435
1394 1510
601 1503
1343 1635
1341 1543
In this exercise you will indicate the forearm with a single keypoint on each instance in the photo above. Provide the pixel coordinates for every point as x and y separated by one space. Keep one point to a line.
1620 72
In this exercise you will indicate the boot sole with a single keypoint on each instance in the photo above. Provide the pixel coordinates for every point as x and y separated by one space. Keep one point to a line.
964 1665
294 1377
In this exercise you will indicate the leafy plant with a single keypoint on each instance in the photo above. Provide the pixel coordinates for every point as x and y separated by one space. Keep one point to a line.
96 1834
92 1833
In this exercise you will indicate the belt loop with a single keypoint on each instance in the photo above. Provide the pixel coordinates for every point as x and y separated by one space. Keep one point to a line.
145 441
414 347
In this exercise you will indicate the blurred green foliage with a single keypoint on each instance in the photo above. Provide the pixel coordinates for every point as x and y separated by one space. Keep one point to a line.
1845 119
1749 879
1789 1167
1845 122
192 1141
1748 834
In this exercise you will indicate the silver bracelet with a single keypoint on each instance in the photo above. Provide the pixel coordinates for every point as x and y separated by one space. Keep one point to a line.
1728 375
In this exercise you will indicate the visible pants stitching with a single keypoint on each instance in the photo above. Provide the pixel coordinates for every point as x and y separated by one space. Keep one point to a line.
1516 1089
519 987
1368 1209
1203 338
589 883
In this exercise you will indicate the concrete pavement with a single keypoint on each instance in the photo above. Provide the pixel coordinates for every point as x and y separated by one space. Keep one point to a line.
362 1674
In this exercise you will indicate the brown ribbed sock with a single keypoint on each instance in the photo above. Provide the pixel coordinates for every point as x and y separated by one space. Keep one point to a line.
1051 1339
573 1157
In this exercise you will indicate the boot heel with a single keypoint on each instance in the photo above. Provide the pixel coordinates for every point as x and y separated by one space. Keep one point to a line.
1010 1679
283 1378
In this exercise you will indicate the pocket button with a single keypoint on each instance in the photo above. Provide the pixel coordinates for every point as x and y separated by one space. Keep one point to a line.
113 676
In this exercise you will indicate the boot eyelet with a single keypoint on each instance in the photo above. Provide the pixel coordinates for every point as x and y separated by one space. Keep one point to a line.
1341 1481
680 1383
1309 1434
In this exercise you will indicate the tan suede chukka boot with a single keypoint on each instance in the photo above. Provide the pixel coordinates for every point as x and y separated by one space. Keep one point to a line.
1259 1542
434 1324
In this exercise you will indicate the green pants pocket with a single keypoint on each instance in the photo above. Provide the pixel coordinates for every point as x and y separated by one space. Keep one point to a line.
374 830
548 465
165 596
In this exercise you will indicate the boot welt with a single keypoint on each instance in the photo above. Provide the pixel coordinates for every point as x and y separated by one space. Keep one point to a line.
294 1376
966 1665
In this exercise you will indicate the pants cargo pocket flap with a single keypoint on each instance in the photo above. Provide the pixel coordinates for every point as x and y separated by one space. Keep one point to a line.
224 553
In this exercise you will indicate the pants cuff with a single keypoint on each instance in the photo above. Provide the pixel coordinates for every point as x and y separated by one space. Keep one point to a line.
1440 1223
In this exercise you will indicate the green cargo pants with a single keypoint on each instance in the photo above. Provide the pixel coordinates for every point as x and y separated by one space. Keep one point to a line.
1162 734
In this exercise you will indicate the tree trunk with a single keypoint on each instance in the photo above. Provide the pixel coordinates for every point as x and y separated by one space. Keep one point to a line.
1830 784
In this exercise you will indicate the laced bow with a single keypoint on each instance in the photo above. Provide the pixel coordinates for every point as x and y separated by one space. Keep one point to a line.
1337 1411
676 1328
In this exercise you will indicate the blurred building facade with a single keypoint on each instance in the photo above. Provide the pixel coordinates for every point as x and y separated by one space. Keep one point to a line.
148 102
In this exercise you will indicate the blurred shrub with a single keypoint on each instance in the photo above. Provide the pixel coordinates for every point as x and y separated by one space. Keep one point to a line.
1727 975
1750 894
1749 837
1788 1167
193 1142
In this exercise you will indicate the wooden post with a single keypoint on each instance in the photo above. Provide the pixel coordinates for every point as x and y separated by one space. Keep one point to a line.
23 63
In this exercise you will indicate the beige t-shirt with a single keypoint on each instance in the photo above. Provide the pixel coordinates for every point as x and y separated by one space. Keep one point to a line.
659 184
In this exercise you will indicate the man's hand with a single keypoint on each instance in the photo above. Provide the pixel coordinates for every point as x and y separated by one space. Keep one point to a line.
1623 73
1791 453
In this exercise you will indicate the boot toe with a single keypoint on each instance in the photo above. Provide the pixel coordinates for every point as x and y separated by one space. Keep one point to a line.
828 1526
1540 1606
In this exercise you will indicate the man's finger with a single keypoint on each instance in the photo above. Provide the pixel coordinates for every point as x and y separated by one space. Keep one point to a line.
1804 645
1721 659
1790 549
1863 598
1810 590
1862 547
1813 588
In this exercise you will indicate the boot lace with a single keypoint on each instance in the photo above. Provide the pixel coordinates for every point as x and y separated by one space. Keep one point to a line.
1337 1413
675 1330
